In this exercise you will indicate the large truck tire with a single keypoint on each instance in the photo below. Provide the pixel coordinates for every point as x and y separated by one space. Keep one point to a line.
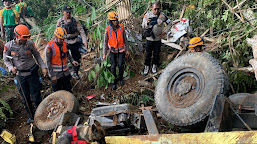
50 110
186 89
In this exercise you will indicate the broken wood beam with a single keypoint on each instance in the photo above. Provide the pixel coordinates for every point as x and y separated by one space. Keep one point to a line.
173 45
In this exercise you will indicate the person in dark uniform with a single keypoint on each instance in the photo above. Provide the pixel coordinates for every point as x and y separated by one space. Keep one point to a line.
18 57
74 29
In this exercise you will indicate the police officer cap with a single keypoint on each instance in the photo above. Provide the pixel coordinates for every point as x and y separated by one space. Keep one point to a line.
67 8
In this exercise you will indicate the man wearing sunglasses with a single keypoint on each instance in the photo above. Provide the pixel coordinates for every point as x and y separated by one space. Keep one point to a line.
74 29
153 24
19 57
9 19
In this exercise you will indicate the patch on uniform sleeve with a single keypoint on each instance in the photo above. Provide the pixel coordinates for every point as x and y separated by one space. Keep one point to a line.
48 49
5 49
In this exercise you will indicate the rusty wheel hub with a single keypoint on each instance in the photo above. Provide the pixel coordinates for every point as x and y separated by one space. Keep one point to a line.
54 108
185 87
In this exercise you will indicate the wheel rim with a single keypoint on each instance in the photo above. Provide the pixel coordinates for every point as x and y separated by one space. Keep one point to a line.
185 87
54 109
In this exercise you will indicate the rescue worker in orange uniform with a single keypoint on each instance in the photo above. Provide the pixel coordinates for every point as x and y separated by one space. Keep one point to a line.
19 56
115 40
195 44
57 56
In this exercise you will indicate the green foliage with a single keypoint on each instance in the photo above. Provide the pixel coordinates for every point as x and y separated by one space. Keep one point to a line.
105 77
137 98
128 73
4 109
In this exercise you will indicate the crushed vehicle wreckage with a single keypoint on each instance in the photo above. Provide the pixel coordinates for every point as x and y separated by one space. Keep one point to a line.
181 94
193 88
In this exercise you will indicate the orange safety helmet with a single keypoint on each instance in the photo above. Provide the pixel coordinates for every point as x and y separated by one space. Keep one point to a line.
196 41
112 15
60 33
22 32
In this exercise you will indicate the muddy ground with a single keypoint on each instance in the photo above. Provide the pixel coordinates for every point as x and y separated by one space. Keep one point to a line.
124 94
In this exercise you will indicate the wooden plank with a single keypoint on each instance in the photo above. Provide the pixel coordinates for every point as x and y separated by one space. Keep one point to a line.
173 45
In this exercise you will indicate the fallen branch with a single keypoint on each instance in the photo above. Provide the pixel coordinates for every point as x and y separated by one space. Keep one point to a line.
239 4
150 76
208 39
239 7
241 36
232 10
205 32
245 69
